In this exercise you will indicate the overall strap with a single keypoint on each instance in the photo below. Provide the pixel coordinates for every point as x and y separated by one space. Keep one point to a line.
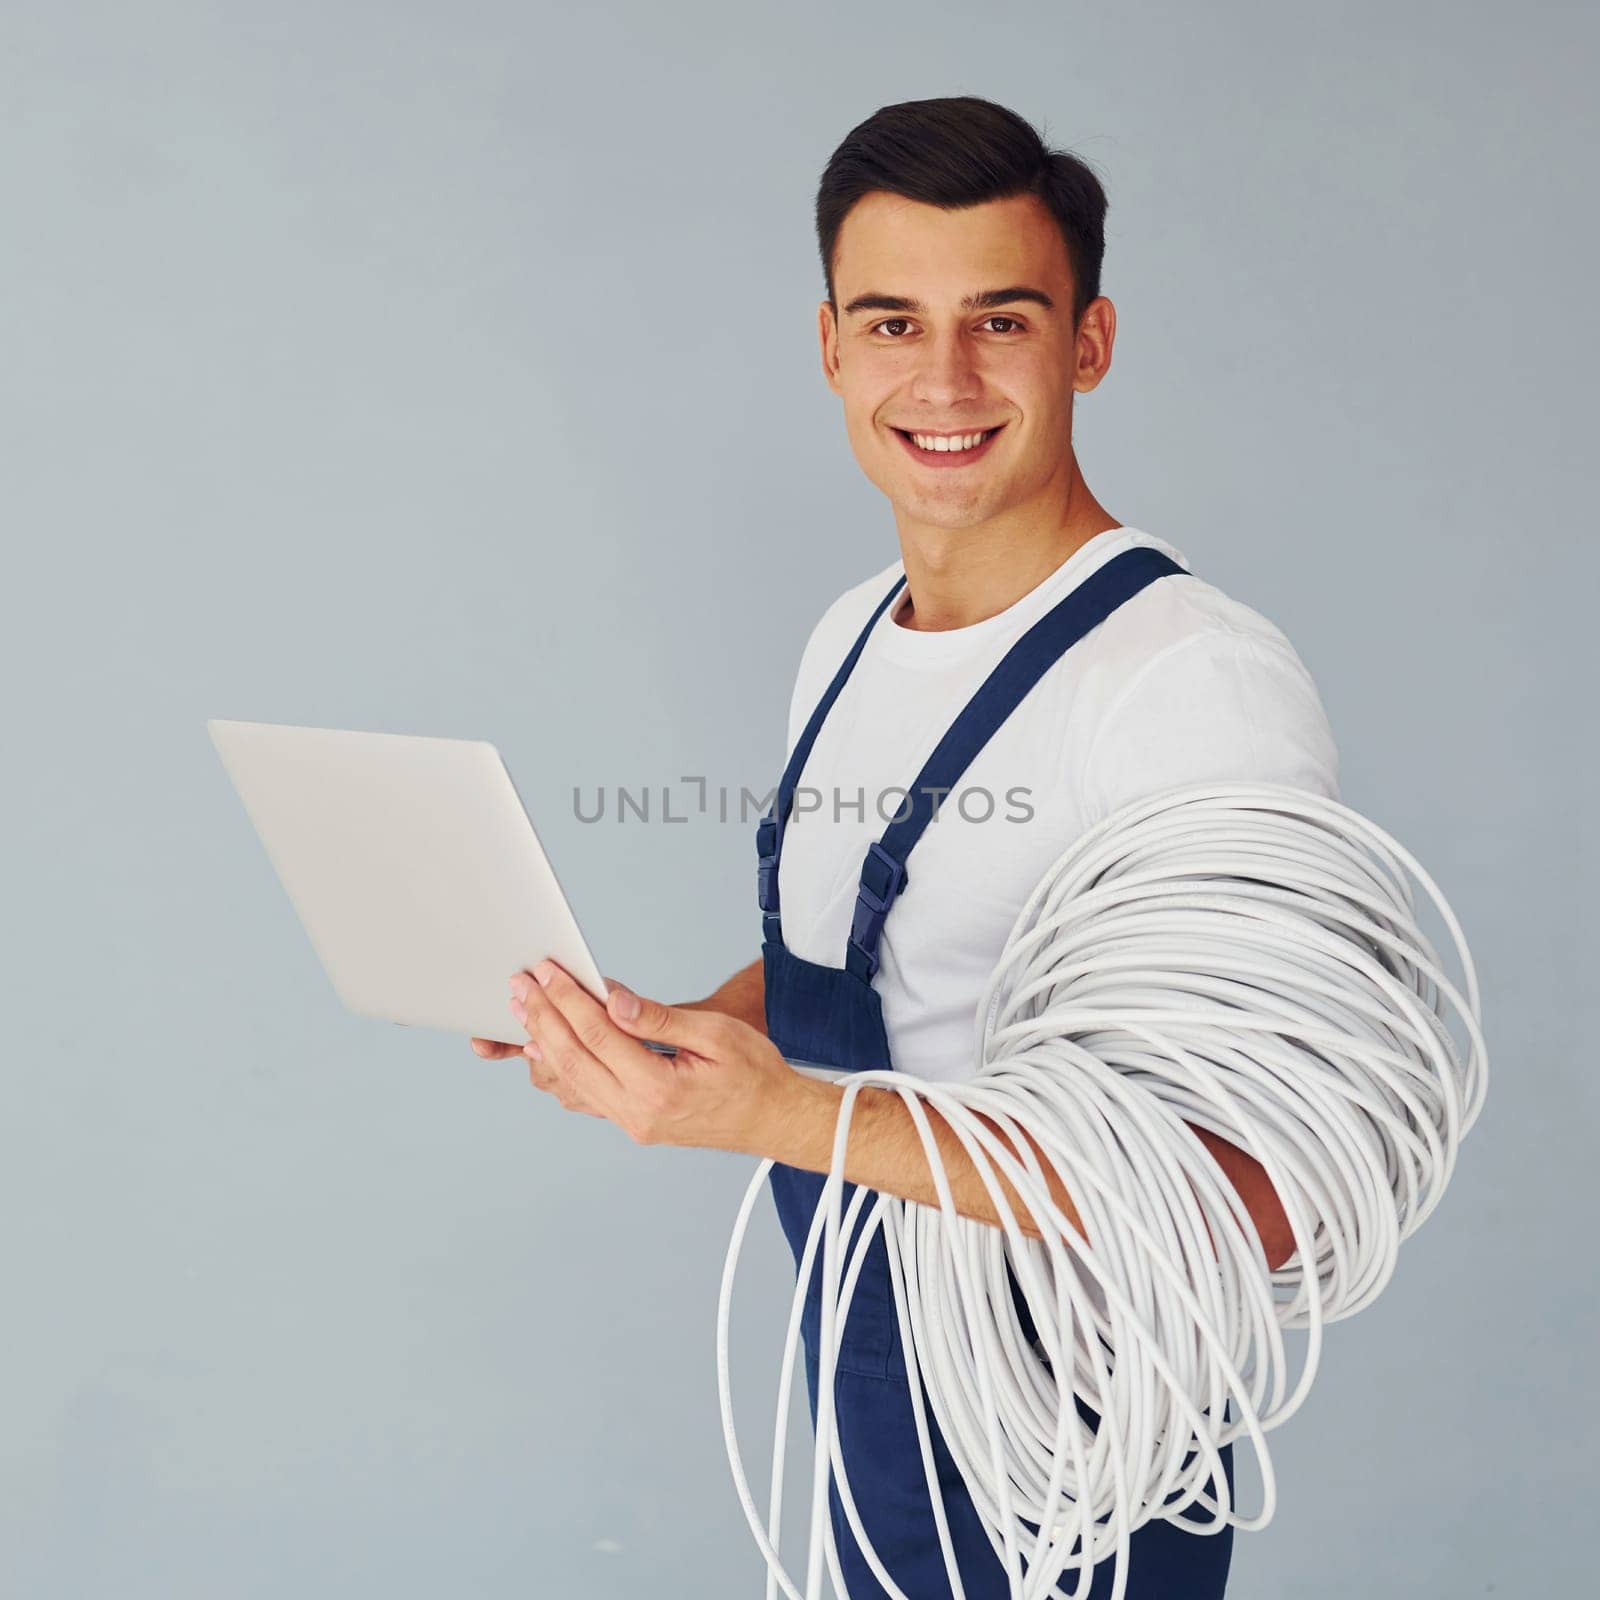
883 873
769 831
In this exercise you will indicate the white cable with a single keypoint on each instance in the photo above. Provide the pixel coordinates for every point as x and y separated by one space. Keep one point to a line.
1245 958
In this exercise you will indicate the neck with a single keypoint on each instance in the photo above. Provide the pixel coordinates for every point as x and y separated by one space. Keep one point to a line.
958 576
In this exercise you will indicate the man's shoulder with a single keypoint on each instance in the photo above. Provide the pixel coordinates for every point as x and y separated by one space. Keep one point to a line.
1186 613
847 614
831 638
1189 684
1183 610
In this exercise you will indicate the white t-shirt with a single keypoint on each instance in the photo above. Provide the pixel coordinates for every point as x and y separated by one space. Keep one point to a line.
1181 684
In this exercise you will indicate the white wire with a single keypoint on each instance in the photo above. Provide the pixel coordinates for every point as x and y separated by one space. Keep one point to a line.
1245 958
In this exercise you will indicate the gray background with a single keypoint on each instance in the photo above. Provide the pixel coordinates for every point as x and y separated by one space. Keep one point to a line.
452 369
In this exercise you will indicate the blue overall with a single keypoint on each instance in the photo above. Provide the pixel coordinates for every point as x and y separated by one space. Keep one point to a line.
833 1016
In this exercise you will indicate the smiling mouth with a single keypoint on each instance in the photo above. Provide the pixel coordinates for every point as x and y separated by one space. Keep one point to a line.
942 452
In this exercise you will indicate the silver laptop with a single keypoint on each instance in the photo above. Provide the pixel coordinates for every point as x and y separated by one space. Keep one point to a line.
414 867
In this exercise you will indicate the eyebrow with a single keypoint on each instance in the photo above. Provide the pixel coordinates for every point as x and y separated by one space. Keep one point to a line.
984 300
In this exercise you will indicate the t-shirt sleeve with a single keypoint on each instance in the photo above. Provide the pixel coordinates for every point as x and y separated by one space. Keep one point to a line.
1214 706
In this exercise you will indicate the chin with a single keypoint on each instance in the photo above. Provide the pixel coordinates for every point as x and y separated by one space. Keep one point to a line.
950 515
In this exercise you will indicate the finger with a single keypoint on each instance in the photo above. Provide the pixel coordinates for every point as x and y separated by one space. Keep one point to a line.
494 1049
696 1031
565 1045
590 1023
541 1077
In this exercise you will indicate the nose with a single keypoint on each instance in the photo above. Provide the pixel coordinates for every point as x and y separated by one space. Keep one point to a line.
946 372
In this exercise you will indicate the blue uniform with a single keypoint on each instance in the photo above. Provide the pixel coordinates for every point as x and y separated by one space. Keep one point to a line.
833 1016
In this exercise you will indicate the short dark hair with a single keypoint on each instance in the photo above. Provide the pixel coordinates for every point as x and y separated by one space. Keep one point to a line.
961 151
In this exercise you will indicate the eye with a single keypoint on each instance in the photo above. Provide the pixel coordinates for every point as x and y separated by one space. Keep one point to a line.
1013 325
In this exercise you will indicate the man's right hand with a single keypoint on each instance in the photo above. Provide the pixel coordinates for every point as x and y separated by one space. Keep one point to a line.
744 996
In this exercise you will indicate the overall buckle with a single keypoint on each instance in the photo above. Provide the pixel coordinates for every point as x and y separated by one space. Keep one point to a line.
767 865
882 878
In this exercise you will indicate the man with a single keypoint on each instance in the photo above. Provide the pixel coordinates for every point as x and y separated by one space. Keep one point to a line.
1025 668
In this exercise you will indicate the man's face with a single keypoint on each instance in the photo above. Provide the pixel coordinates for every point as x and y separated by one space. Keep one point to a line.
907 357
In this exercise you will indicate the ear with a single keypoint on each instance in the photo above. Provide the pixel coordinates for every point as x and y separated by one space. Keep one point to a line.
1097 333
828 338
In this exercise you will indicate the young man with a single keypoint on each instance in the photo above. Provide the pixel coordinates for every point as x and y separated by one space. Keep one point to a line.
963 315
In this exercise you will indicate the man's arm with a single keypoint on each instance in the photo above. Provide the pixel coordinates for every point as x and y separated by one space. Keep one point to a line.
885 1151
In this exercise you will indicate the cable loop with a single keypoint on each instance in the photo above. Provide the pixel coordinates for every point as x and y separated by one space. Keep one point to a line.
1242 958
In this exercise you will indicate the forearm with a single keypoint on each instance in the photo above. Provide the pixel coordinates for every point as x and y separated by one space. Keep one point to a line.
885 1152
744 996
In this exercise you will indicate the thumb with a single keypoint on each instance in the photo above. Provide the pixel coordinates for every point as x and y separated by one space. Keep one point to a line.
650 1019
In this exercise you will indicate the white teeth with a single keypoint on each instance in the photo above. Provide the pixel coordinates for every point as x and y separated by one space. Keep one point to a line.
964 441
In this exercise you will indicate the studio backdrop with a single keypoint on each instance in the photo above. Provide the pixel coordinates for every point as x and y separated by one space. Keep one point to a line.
453 370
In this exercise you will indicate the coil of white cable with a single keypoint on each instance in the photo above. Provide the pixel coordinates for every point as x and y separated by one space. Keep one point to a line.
1246 958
